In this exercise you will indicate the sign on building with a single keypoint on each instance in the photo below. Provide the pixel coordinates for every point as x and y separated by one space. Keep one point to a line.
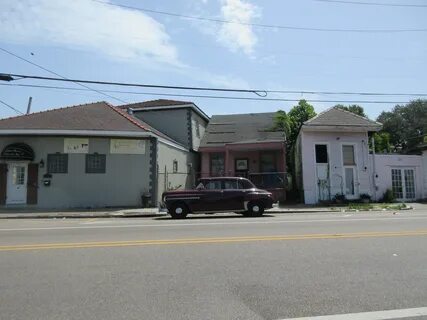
76 145
127 146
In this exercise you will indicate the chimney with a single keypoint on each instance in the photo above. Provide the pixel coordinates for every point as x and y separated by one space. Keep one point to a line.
30 100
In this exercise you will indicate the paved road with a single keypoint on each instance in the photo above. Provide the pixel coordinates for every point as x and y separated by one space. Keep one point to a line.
215 267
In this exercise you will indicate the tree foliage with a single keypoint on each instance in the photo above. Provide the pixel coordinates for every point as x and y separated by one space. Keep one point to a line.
356 109
382 142
291 122
405 124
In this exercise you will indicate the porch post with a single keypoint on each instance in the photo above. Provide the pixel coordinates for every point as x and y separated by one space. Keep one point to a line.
226 169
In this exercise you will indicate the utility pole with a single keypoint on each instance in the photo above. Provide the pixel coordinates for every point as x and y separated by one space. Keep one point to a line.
30 100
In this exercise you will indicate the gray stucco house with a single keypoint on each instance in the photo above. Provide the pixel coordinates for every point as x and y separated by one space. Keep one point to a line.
91 155
185 123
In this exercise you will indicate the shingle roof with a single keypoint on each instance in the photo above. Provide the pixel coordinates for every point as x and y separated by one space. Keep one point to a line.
91 116
339 117
164 104
156 103
99 116
240 128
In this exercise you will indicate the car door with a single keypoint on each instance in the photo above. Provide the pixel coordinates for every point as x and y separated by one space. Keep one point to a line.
210 197
233 195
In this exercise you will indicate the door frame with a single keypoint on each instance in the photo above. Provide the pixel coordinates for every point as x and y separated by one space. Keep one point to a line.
22 163
403 179
355 166
328 152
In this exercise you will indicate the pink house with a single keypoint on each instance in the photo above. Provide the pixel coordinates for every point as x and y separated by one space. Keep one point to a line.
245 145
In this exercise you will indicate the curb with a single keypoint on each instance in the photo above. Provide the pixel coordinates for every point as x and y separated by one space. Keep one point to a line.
83 216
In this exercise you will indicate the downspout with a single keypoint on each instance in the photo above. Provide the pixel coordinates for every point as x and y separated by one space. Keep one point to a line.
374 170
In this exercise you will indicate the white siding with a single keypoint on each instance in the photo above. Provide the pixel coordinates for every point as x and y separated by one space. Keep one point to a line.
384 163
334 140
197 134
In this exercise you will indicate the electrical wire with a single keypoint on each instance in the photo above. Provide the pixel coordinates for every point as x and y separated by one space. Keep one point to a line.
214 97
57 74
382 4
259 92
259 24
10 107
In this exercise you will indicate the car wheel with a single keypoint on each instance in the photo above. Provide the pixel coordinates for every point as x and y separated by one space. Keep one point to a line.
255 209
178 211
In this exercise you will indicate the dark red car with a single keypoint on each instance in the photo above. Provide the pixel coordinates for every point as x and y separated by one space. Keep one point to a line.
222 194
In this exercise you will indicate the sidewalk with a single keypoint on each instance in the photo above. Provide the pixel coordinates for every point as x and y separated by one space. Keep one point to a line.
25 213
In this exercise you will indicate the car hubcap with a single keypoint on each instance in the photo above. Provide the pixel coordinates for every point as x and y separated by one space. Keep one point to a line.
255 209
178 210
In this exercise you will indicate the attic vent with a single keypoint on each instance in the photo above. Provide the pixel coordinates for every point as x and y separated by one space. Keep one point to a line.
17 151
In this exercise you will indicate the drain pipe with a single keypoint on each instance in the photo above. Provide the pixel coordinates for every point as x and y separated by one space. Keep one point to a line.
374 170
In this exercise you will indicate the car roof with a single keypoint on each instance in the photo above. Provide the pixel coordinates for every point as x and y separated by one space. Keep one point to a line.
223 178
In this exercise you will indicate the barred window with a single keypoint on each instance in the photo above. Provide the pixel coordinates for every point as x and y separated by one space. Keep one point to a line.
57 163
175 166
95 163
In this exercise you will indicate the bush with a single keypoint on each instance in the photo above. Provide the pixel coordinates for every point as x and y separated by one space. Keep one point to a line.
388 196
339 198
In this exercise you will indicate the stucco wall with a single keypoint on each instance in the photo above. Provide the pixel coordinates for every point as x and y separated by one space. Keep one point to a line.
197 120
184 178
334 140
126 177
383 165
172 122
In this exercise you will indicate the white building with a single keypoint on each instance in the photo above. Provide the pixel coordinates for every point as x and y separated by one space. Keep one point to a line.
332 158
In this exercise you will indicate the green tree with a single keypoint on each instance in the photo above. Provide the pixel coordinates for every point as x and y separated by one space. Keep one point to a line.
382 142
405 124
353 108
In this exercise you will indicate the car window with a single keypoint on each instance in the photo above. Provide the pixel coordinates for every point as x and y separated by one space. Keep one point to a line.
231 184
243 184
213 185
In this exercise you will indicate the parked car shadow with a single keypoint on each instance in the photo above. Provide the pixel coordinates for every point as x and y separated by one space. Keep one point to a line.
212 216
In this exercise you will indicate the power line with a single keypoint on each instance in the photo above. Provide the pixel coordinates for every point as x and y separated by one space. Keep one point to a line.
259 24
382 4
259 92
10 107
214 97
57 74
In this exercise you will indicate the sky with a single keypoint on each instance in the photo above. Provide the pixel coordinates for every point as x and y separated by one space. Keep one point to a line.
98 40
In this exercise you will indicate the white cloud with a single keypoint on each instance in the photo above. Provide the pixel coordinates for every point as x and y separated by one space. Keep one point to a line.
238 36
119 33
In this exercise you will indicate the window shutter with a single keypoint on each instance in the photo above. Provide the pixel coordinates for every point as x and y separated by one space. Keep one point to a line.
348 155
32 183
3 182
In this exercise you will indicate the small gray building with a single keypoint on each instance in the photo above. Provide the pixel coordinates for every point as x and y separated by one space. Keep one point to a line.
91 155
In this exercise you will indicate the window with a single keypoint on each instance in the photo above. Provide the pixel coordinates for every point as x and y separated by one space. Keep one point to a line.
217 164
268 162
409 184
348 155
396 183
231 184
95 163
175 166
18 175
57 163
197 125
213 185
321 153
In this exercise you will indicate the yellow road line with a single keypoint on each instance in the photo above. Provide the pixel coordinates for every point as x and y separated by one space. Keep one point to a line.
71 245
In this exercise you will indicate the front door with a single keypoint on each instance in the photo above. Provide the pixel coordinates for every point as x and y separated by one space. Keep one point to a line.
350 186
16 183
403 183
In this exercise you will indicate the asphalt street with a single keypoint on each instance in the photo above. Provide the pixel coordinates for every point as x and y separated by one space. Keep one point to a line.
361 265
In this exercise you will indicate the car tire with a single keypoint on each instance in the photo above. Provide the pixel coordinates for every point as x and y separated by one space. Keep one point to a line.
255 209
178 210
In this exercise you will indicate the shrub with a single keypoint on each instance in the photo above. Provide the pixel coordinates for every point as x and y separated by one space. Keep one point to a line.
388 196
339 198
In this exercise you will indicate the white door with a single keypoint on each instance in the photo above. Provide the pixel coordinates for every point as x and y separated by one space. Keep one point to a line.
350 183
403 183
16 192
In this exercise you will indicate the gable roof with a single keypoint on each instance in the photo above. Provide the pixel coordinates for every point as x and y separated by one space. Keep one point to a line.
164 104
240 128
337 117
101 118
